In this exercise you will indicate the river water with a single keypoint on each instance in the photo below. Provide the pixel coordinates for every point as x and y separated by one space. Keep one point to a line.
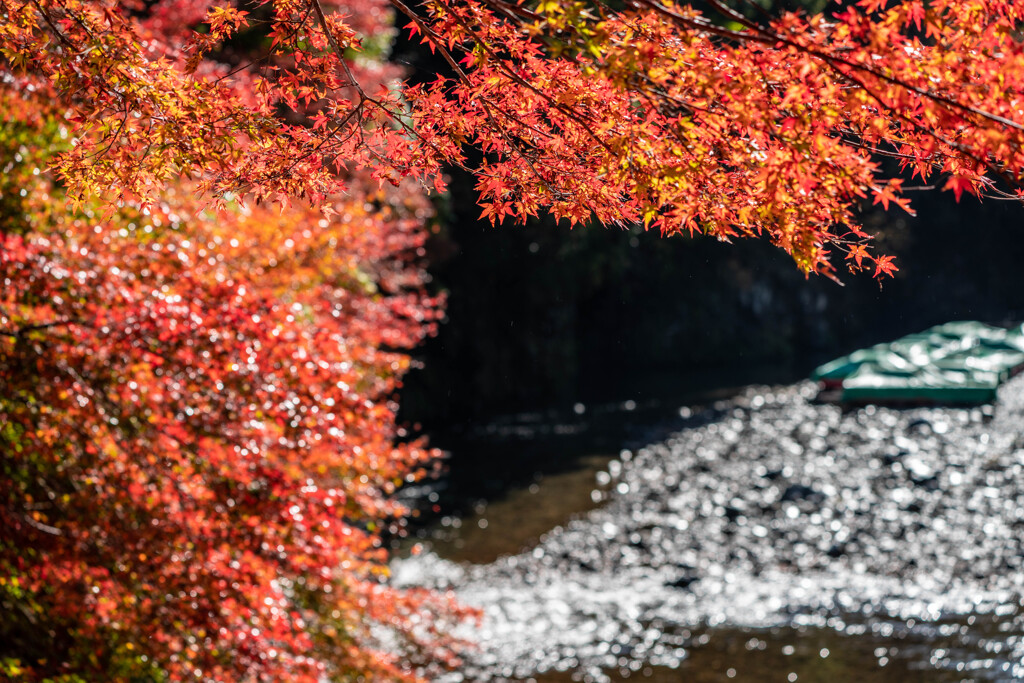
754 538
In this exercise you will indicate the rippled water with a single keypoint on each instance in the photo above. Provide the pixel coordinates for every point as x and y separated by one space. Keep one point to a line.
764 538
943 652
517 520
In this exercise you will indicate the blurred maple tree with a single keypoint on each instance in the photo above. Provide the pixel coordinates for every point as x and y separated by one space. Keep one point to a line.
197 432
212 215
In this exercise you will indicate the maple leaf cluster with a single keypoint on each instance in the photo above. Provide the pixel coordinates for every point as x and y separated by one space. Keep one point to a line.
197 427
653 114
774 128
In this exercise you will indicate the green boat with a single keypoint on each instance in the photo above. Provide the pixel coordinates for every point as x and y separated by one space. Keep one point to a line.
955 363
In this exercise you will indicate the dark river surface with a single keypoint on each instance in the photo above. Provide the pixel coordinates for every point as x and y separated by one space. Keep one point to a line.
745 534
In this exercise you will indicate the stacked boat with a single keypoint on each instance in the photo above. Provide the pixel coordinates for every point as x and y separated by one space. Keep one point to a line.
959 363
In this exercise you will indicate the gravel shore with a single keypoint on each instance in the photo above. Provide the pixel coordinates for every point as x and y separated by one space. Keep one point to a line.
765 510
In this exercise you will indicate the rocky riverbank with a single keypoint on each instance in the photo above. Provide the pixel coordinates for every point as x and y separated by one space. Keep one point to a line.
771 510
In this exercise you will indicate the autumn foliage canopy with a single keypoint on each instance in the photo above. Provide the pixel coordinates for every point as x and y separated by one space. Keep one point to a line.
211 260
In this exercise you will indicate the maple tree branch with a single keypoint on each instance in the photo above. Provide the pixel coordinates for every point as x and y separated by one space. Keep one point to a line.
21 332
851 138
934 134
112 138
322 20
39 526
730 13
701 25
834 61
338 125
487 106
572 114
56 31
942 99
760 10
298 24
769 36
510 9
396 117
